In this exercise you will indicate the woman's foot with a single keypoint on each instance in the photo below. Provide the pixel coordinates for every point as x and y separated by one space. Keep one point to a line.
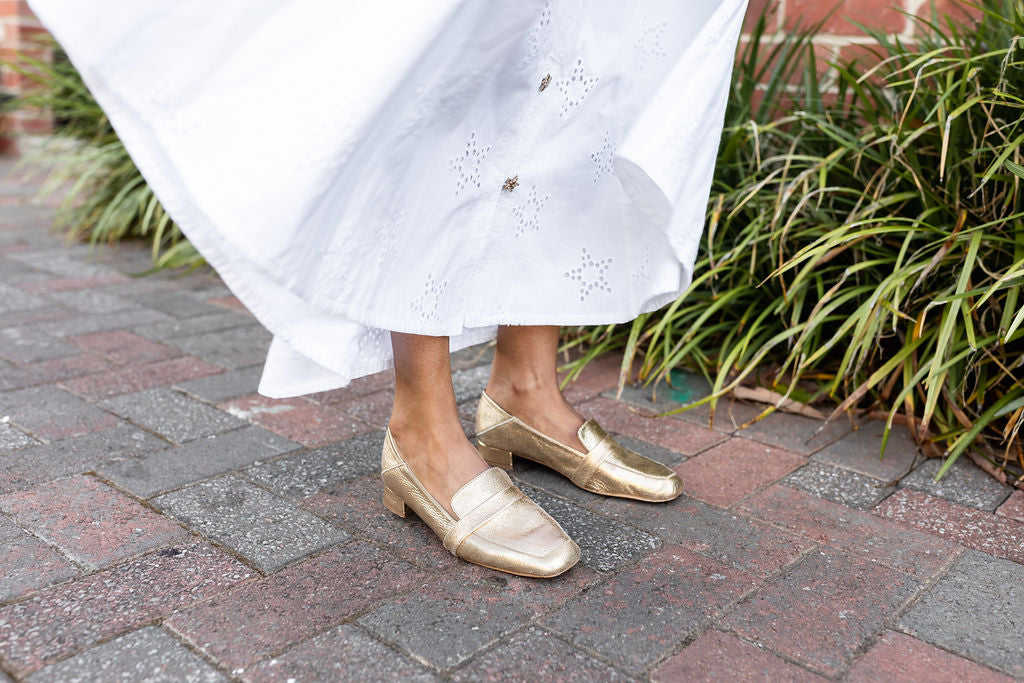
440 456
541 406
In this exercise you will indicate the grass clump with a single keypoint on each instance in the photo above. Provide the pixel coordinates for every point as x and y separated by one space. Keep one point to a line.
865 245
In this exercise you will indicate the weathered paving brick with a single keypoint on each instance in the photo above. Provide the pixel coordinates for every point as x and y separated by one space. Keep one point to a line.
172 414
229 301
155 473
304 474
256 524
296 418
185 328
728 416
970 527
17 299
976 610
656 604
469 383
845 487
140 378
233 348
61 620
35 315
12 438
148 654
67 284
719 534
356 505
859 533
27 564
795 433
823 610
99 323
50 371
90 522
357 387
247 624
221 387
734 469
52 414
1013 507
675 435
964 483
373 409
860 451
30 466
448 620
175 304
723 656
898 657
120 347
472 356
64 260
604 543
536 656
19 345
344 653
93 300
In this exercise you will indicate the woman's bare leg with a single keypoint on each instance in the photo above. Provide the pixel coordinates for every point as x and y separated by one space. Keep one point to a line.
424 418
524 381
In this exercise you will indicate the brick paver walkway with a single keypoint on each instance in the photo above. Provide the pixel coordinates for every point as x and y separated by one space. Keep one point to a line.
157 516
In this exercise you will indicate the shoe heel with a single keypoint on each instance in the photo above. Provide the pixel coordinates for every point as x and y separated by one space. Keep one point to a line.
495 456
394 503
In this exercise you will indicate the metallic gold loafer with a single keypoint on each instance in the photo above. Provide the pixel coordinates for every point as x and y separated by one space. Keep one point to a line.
496 525
607 467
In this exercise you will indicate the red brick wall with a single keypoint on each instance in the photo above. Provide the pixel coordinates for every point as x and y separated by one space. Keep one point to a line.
840 36
20 32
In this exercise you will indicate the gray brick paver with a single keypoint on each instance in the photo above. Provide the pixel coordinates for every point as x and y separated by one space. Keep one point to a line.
172 414
976 611
964 483
149 654
155 473
256 524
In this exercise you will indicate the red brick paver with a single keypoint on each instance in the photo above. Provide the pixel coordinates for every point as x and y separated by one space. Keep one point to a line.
899 657
717 656
121 347
142 377
734 469
978 529
297 419
59 621
860 533
89 521
252 621
675 435
1013 507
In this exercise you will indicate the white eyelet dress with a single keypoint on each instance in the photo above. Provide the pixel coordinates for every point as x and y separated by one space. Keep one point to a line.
436 167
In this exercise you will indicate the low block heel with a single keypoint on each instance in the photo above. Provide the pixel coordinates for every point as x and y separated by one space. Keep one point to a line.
495 457
394 503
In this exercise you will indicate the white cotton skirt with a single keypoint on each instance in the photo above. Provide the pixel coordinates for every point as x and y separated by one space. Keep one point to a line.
437 167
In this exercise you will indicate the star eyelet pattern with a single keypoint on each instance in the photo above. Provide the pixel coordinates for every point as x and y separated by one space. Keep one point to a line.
590 275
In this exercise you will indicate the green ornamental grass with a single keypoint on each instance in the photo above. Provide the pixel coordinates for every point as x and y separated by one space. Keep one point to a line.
865 245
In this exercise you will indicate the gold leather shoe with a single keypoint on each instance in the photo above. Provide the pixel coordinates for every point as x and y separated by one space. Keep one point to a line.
496 525
607 468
